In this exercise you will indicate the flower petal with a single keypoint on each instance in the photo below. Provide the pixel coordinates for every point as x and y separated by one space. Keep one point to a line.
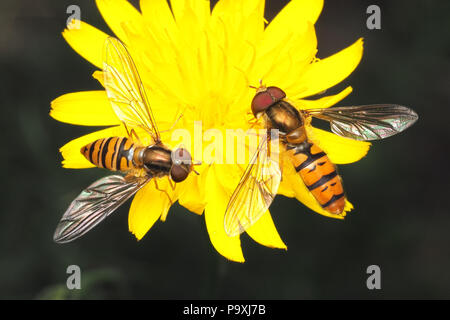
87 41
290 26
149 204
216 202
238 26
200 8
192 194
74 159
283 62
119 15
285 188
86 108
289 45
325 73
98 75
295 13
237 10
157 14
265 233
323 102
340 150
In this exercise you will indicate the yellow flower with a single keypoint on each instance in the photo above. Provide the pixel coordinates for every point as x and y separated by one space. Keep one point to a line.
200 63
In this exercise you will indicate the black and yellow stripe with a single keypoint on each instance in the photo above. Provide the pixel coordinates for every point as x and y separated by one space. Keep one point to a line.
319 175
111 153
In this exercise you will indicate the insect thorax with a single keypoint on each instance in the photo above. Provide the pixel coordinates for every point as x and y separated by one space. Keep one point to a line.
284 117
157 160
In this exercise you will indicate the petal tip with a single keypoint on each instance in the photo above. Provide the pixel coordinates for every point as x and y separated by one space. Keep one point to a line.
239 260
136 236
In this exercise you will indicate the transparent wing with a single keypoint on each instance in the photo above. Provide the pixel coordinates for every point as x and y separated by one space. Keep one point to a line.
94 204
369 122
125 89
254 193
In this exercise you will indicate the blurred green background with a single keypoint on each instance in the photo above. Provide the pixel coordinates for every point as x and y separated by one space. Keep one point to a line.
400 190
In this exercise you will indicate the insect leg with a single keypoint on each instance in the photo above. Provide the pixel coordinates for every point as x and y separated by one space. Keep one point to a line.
172 185
174 124
157 188
253 122
126 129
131 133
136 136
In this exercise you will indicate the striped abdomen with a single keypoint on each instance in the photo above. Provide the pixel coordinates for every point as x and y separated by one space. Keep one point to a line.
110 153
319 175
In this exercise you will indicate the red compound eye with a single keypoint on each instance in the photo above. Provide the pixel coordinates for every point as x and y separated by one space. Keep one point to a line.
276 93
266 98
181 164
261 102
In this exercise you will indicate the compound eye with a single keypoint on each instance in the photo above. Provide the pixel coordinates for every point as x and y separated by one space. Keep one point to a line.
276 93
178 173
181 164
261 101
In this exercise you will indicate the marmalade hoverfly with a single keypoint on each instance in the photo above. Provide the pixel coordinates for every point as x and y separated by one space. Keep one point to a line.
128 99
261 179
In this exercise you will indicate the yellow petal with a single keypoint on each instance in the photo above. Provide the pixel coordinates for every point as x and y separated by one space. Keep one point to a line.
239 24
340 150
119 15
229 175
288 46
201 9
229 9
327 72
86 108
98 75
170 190
265 233
285 188
149 204
156 11
293 18
216 202
71 151
192 194
324 102
157 15
87 41
283 62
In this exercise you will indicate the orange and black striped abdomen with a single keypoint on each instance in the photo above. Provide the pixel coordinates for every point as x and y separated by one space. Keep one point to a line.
110 153
319 175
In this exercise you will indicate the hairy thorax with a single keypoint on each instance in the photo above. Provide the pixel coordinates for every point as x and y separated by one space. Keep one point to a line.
284 117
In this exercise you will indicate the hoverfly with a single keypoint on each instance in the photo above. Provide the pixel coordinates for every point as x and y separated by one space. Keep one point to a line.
260 181
128 99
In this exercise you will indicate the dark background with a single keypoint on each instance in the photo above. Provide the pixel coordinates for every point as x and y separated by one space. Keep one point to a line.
400 190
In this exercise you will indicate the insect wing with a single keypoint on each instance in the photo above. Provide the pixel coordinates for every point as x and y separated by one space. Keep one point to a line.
94 204
254 193
370 122
125 89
